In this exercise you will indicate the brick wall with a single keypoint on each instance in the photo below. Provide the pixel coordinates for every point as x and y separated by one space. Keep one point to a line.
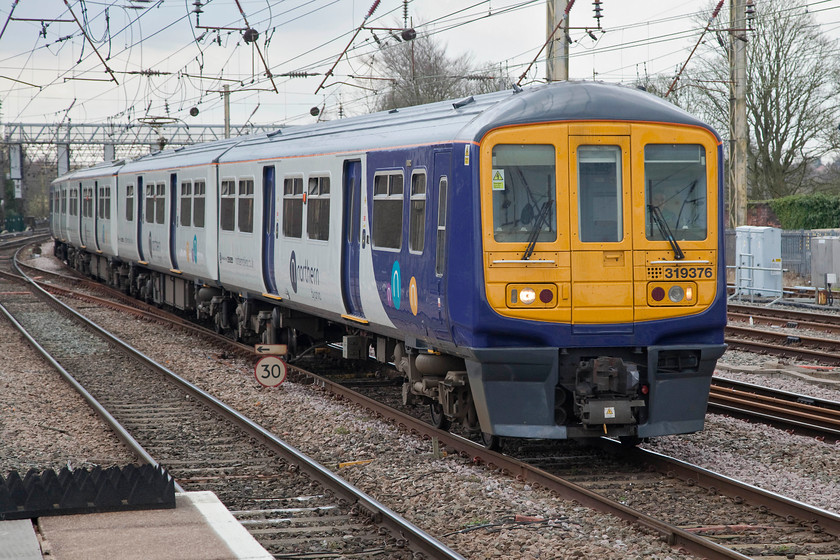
760 214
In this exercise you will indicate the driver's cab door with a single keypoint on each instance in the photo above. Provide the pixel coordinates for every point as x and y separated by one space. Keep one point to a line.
601 240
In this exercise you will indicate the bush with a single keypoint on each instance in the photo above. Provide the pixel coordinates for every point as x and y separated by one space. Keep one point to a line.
807 211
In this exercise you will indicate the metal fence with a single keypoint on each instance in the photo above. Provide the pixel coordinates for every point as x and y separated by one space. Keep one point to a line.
796 249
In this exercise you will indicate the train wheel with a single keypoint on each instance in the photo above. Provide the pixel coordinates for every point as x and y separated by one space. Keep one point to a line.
491 442
439 419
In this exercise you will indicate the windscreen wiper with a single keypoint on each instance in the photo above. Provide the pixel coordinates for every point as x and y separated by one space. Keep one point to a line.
656 214
535 233
686 201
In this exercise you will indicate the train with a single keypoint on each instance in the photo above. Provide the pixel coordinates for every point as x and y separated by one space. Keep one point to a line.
542 262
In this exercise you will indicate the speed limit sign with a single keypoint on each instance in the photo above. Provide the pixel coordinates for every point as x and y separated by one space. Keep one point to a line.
270 371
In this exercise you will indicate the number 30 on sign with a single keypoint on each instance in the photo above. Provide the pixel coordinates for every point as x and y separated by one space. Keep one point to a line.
270 371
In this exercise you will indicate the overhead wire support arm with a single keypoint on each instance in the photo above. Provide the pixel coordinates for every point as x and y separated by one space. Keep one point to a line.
259 51
353 38
8 19
249 34
699 40
549 39
84 33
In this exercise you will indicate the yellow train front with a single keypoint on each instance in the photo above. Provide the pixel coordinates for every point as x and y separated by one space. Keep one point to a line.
599 304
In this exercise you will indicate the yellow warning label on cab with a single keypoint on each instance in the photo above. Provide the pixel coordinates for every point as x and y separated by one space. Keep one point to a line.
498 180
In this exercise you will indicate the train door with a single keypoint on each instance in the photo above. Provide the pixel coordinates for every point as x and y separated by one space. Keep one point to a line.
80 213
141 195
173 219
270 228
441 178
602 263
352 188
96 202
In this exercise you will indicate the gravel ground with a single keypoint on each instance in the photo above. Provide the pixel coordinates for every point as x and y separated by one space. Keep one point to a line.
448 497
43 423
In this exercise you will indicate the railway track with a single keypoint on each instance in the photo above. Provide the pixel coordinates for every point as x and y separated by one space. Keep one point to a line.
781 332
291 504
738 511
802 413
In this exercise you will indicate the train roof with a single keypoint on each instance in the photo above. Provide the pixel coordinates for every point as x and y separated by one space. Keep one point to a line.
104 169
183 156
464 120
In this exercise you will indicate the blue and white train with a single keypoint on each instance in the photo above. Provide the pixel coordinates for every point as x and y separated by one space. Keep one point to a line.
537 263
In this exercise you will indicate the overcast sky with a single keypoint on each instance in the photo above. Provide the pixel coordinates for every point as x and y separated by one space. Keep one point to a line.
166 62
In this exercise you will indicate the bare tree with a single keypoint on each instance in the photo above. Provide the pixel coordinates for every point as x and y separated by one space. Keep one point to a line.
793 106
421 71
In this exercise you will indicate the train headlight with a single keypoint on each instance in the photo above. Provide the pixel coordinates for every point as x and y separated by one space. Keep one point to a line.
527 296
676 294
531 296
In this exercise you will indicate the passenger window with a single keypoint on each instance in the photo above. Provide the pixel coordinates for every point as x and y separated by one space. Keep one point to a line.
523 186
293 207
227 211
160 203
387 210
599 194
245 202
198 203
417 213
186 203
150 203
129 203
87 202
105 203
675 190
440 257
318 209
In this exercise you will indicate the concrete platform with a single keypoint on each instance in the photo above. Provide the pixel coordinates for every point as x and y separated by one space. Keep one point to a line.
199 528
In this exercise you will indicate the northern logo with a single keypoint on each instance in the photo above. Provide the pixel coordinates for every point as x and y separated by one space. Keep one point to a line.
293 272
303 274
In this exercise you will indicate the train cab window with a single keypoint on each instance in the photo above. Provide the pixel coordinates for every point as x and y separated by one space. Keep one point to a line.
245 206
600 217
523 185
227 215
387 210
129 203
186 203
417 213
198 203
440 256
160 203
675 191
150 203
293 206
318 209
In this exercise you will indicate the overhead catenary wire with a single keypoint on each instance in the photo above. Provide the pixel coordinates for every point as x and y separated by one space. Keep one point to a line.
279 14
